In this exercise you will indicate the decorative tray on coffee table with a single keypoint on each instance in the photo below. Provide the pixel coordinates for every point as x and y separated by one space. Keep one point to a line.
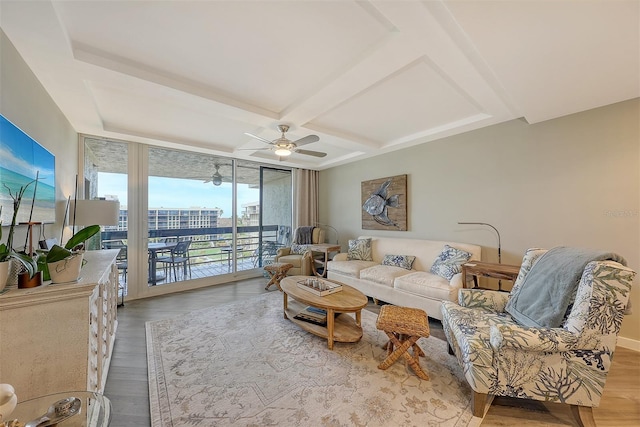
319 286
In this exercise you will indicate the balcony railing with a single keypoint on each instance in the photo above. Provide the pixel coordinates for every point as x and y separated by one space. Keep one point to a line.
210 249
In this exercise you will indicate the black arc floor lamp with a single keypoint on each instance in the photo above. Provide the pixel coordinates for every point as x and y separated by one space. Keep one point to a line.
497 232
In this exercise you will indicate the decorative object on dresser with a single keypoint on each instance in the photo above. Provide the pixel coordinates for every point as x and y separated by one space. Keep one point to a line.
64 264
95 211
8 401
384 203
65 332
7 253
71 408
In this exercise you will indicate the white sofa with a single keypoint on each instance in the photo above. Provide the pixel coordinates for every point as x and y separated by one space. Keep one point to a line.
416 288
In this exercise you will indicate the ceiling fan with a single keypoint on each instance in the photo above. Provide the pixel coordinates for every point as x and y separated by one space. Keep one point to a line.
216 178
284 147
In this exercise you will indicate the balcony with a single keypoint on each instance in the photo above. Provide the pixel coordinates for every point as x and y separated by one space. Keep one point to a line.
210 250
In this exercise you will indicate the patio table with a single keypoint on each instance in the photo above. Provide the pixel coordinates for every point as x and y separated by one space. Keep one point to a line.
228 250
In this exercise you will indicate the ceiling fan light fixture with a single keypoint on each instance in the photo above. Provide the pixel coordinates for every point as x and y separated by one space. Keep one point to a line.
283 152
283 147
216 179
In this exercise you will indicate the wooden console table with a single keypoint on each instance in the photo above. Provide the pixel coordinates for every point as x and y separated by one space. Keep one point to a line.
319 265
58 337
491 270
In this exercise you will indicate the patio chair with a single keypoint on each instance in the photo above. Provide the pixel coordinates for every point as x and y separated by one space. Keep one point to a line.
179 255
267 251
122 264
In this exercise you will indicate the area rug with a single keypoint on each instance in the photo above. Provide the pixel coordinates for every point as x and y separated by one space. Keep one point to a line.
243 364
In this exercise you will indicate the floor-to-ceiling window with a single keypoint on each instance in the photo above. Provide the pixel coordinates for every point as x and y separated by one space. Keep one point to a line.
105 174
200 215
190 211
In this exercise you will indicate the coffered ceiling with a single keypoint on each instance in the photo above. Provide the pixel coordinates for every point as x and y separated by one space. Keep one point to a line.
367 77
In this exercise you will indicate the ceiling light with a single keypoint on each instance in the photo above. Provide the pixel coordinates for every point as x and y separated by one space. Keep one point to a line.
217 180
283 151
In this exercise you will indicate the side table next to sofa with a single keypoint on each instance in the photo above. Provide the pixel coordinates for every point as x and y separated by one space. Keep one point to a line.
491 270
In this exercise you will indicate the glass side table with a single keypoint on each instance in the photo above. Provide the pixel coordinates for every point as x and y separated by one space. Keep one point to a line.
74 409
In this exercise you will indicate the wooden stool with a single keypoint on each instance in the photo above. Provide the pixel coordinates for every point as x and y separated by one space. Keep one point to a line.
277 271
404 326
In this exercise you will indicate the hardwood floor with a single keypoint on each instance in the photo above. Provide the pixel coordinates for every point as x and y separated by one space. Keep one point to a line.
127 385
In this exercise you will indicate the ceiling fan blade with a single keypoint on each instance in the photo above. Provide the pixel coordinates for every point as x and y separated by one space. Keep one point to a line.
307 140
252 149
311 153
259 138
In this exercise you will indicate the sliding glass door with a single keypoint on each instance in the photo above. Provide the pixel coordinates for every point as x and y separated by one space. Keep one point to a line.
275 212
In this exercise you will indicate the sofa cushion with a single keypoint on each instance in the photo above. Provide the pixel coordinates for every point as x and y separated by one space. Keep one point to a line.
403 261
449 262
349 268
295 260
428 285
360 249
298 249
382 274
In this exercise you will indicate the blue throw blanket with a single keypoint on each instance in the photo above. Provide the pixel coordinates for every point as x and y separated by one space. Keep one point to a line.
551 284
304 235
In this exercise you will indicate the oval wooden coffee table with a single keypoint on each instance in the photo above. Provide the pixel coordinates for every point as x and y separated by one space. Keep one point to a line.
340 329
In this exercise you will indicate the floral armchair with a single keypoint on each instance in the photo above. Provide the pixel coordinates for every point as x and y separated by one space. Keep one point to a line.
298 254
567 364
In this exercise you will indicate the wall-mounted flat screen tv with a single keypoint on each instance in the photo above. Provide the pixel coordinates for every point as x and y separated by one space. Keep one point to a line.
21 160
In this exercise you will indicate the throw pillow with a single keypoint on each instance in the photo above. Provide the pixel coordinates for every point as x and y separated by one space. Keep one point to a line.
449 262
297 249
360 249
403 261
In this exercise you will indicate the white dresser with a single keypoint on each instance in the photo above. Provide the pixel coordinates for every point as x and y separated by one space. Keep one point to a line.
57 338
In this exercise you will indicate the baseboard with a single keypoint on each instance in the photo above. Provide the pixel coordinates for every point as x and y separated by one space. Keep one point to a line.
629 343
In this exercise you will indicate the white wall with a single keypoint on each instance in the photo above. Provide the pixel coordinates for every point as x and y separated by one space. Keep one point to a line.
25 103
572 181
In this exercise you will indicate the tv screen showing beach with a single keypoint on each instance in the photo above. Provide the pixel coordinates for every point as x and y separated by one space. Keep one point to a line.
21 160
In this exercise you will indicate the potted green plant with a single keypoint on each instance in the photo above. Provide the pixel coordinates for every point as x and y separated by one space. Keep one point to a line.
7 253
64 263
